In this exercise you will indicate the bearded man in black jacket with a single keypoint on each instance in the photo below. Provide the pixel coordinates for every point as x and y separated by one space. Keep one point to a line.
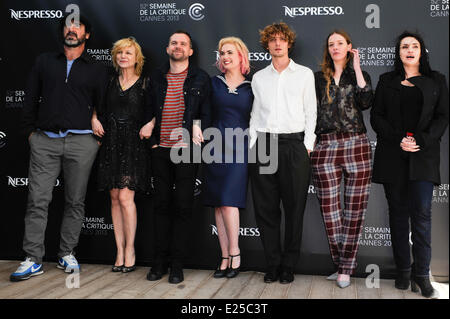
63 90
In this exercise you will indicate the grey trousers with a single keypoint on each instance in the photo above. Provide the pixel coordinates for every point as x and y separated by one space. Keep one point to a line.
74 154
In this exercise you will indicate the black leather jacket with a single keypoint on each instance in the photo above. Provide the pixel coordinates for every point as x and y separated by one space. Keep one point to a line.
197 88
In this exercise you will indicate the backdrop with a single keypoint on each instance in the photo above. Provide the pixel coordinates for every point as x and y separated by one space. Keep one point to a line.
30 28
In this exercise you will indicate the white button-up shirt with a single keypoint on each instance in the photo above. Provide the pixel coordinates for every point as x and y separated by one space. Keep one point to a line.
284 102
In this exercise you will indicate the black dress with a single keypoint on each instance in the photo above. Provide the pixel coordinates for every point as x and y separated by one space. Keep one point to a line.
124 158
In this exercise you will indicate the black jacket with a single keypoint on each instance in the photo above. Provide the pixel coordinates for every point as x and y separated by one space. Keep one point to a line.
386 120
54 102
197 89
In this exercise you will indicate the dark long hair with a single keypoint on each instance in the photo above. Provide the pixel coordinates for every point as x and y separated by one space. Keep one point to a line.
424 64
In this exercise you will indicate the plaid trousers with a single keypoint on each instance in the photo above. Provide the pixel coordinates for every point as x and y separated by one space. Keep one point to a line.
347 154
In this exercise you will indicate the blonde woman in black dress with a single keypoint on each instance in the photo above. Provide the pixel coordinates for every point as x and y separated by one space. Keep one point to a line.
123 124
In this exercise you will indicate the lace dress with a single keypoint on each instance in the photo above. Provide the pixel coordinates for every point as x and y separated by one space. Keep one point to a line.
123 157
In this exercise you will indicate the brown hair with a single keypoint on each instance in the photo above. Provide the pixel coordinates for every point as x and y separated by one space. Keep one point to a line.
274 29
327 62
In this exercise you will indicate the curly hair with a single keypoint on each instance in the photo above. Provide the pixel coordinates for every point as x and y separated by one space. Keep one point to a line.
124 43
274 29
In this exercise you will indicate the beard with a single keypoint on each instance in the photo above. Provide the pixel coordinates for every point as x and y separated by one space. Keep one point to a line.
178 58
73 43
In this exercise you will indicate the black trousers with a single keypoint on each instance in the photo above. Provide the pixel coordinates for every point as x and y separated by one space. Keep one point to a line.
410 203
173 201
289 185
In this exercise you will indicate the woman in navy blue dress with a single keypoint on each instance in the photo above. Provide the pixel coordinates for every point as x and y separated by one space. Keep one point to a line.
226 177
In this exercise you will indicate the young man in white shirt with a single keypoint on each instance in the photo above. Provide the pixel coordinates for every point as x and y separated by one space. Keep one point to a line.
284 113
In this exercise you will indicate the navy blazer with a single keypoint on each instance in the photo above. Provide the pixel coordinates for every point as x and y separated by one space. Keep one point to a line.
386 120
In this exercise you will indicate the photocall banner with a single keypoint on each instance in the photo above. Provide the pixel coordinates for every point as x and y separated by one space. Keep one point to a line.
31 27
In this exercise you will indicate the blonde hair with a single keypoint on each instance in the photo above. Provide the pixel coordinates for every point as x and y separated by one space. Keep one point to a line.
125 43
242 51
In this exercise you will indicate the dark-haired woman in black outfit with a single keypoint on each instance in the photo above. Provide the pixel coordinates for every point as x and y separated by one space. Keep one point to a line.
410 115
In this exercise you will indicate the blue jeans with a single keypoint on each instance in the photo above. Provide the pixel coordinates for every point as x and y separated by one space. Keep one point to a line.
410 201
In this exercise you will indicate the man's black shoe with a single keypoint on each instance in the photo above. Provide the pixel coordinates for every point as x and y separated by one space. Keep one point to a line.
176 275
286 276
156 273
272 275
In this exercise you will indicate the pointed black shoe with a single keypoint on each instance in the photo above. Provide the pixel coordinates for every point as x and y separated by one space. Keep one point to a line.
426 289
117 268
233 272
221 273
403 279
126 269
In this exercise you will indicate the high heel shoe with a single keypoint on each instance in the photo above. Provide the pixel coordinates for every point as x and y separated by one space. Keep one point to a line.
129 269
233 272
221 273
403 279
117 268
426 289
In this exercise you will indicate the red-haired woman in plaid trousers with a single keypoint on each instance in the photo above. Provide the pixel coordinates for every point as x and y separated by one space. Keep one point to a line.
342 150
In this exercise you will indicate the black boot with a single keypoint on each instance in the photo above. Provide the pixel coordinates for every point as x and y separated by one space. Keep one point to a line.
425 286
402 280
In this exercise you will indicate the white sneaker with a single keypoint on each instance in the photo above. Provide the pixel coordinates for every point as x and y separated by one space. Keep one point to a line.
68 263
27 269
